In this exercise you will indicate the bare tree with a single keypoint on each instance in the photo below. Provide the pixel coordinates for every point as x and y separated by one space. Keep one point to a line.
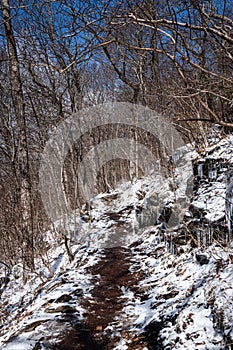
176 58
191 36
22 167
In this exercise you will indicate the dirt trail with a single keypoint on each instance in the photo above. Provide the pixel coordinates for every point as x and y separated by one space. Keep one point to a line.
110 274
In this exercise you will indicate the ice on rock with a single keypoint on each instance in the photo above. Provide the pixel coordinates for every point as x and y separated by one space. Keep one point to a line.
229 204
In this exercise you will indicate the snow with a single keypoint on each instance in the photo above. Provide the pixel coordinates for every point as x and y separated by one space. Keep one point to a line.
193 302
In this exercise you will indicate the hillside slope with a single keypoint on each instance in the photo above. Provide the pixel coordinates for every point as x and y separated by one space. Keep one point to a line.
134 284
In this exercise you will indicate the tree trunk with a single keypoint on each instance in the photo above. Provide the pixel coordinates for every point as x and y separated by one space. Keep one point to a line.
23 176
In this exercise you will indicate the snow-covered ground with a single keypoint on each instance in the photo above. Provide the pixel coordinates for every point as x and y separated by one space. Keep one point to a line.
184 297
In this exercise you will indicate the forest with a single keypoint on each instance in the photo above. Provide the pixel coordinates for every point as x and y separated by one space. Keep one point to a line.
60 57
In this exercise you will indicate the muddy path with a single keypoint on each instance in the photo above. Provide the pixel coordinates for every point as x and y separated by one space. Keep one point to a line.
103 309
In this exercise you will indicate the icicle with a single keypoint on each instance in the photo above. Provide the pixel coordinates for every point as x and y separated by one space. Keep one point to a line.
199 238
159 237
200 170
229 209
166 242
212 174
172 247
229 206
210 235
205 233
